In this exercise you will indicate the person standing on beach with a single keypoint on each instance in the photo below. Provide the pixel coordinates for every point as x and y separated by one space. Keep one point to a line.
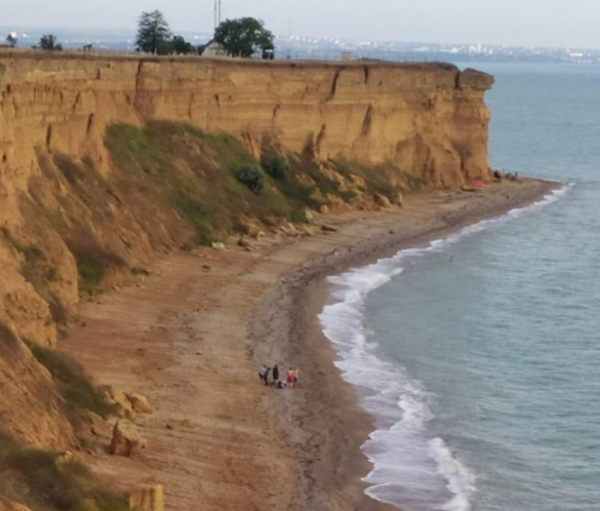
296 375
290 377
262 374
267 370
275 373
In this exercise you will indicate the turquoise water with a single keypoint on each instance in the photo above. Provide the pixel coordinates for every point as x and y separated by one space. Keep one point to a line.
479 355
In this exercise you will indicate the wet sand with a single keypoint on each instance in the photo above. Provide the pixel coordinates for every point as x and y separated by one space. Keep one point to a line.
193 335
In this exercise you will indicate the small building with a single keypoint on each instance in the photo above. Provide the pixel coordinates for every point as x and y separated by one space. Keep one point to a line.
213 49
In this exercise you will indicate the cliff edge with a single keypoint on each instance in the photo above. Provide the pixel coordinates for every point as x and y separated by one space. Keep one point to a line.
70 209
427 119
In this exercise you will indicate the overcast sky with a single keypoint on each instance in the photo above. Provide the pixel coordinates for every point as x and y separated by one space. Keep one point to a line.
557 23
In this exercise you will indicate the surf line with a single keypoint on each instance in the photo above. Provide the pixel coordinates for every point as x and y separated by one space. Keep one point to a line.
411 467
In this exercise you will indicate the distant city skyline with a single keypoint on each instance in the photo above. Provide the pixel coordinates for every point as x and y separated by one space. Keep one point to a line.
530 23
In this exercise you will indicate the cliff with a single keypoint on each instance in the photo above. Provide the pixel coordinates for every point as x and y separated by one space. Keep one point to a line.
69 211
428 119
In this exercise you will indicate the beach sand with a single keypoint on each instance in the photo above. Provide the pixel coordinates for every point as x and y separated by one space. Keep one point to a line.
193 335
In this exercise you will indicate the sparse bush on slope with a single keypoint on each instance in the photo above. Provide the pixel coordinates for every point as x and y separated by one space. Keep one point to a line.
275 166
41 480
251 177
76 387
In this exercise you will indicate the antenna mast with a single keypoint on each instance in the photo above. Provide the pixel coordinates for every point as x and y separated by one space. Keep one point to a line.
217 13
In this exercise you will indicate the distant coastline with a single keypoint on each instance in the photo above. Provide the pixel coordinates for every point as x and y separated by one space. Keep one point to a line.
312 48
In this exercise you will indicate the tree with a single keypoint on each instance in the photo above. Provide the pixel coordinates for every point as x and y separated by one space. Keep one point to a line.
244 36
11 39
154 34
180 45
49 42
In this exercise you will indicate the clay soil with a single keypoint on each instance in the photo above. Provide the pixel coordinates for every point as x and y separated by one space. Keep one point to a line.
193 335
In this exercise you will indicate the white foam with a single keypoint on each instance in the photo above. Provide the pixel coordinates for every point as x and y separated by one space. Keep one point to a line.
411 467
461 481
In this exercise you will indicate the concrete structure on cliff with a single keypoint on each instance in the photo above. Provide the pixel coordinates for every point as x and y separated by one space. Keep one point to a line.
213 49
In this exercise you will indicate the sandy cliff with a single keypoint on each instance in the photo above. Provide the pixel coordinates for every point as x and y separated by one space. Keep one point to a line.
428 121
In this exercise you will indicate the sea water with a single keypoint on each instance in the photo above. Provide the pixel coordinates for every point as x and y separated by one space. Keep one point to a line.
479 354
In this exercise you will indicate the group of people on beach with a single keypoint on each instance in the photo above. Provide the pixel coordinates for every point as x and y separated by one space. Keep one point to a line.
290 381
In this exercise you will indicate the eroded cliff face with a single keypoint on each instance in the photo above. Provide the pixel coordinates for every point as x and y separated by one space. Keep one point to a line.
428 121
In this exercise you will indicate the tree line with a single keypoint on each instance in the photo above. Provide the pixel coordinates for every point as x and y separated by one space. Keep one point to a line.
241 37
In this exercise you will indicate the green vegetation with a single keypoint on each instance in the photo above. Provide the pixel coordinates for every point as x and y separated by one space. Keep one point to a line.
92 265
251 177
41 480
138 270
154 34
12 39
182 47
313 169
244 36
217 187
35 267
75 386
38 478
275 166
378 178
49 42
179 186
180 167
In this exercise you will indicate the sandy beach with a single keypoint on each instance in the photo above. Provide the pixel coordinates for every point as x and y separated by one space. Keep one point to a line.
193 335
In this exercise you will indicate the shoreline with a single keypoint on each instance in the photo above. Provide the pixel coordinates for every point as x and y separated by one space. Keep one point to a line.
192 337
349 424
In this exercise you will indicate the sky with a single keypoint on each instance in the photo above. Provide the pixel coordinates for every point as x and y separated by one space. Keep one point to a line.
549 23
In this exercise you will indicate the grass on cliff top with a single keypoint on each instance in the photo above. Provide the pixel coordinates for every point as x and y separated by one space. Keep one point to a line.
76 387
38 479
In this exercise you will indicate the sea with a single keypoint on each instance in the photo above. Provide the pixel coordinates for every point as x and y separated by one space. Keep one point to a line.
479 354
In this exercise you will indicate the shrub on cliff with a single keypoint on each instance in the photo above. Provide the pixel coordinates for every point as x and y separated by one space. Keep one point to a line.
252 177
154 34
244 36
275 166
